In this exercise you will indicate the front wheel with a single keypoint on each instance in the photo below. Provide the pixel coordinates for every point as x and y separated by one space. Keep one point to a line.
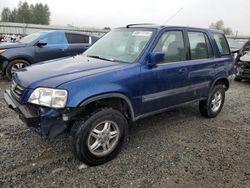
14 66
99 137
212 106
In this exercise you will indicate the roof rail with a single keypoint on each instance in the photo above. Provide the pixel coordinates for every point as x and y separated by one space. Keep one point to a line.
140 24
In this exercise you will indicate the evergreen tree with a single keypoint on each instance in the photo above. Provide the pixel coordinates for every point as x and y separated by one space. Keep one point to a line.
25 13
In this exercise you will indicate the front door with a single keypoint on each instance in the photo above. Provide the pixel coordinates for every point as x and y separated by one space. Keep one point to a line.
56 47
166 84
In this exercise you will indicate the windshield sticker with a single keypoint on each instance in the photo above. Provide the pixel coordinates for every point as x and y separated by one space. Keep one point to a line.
142 33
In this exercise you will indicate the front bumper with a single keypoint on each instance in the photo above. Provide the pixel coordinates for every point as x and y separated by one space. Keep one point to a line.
44 121
243 70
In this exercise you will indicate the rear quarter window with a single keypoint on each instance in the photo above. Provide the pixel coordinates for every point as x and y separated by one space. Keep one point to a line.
77 38
222 44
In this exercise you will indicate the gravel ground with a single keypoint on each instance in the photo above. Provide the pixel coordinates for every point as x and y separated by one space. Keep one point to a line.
178 148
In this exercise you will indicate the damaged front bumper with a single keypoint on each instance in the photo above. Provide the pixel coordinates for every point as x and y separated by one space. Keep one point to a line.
46 122
243 70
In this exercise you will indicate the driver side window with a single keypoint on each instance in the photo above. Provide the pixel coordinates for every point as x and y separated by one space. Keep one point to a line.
171 44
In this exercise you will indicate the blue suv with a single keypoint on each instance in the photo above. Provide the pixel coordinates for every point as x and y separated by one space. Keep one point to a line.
42 46
130 73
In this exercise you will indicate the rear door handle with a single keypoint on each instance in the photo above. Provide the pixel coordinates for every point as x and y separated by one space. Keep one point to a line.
216 65
182 70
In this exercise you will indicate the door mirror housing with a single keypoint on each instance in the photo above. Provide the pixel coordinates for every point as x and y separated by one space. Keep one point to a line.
42 43
155 57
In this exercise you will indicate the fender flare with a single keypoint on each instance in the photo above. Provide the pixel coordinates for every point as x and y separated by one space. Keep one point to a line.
219 78
110 95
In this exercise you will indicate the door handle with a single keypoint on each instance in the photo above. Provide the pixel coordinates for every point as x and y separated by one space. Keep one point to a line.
182 70
216 65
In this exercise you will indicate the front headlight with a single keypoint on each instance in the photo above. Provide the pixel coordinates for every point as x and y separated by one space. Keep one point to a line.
54 98
2 50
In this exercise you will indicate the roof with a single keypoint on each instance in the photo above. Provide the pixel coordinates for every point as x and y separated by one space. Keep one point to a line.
156 26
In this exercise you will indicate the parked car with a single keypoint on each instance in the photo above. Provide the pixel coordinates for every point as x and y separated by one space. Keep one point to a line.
242 67
130 73
42 46
241 49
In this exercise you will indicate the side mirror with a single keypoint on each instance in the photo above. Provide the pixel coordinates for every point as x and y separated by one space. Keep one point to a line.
155 57
42 43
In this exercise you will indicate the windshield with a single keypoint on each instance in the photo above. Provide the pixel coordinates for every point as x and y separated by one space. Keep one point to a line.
124 45
30 38
237 43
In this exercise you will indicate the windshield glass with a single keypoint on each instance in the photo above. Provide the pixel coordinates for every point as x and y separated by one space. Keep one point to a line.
237 43
124 45
30 38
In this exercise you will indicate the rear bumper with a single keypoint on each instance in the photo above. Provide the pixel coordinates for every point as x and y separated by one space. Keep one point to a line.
44 121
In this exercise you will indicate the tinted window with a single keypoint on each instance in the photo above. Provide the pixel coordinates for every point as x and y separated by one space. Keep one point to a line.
77 38
221 43
172 45
200 47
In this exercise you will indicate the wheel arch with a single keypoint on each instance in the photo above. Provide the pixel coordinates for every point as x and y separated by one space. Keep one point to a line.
111 97
222 81
24 58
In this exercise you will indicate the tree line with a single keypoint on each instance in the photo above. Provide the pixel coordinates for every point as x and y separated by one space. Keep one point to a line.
25 13
221 26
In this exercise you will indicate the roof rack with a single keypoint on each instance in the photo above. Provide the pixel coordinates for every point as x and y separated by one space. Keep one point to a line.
140 24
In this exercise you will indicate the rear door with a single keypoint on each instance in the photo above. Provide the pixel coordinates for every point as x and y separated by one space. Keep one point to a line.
78 43
202 63
56 46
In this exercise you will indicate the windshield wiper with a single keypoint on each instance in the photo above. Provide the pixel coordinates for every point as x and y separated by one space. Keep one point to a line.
103 58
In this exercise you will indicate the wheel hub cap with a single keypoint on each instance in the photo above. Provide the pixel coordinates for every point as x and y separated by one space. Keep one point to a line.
103 138
17 67
216 101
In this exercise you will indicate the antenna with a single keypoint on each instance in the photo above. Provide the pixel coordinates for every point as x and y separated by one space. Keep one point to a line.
175 14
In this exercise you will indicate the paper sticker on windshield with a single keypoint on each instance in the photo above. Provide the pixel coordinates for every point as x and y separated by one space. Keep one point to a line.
142 33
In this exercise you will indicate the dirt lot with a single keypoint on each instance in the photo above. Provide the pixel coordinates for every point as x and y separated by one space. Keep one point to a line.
178 148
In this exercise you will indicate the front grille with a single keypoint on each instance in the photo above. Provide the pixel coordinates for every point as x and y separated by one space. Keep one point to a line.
17 90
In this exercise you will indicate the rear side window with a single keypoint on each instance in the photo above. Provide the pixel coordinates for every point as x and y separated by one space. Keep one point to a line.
171 44
77 38
221 43
200 47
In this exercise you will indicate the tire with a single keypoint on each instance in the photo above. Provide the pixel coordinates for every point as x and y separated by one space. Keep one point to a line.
83 142
17 65
211 107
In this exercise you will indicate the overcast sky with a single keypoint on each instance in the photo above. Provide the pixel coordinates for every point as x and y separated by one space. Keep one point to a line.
115 13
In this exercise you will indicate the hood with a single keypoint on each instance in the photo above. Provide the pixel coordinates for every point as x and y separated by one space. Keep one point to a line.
245 57
7 45
57 72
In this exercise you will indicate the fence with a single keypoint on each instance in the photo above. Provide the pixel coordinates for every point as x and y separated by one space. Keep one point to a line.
26 29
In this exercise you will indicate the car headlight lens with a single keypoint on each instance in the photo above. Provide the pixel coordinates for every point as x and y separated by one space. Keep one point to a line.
2 50
54 98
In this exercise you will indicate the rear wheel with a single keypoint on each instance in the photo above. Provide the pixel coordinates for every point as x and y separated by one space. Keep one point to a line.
99 137
14 66
212 106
